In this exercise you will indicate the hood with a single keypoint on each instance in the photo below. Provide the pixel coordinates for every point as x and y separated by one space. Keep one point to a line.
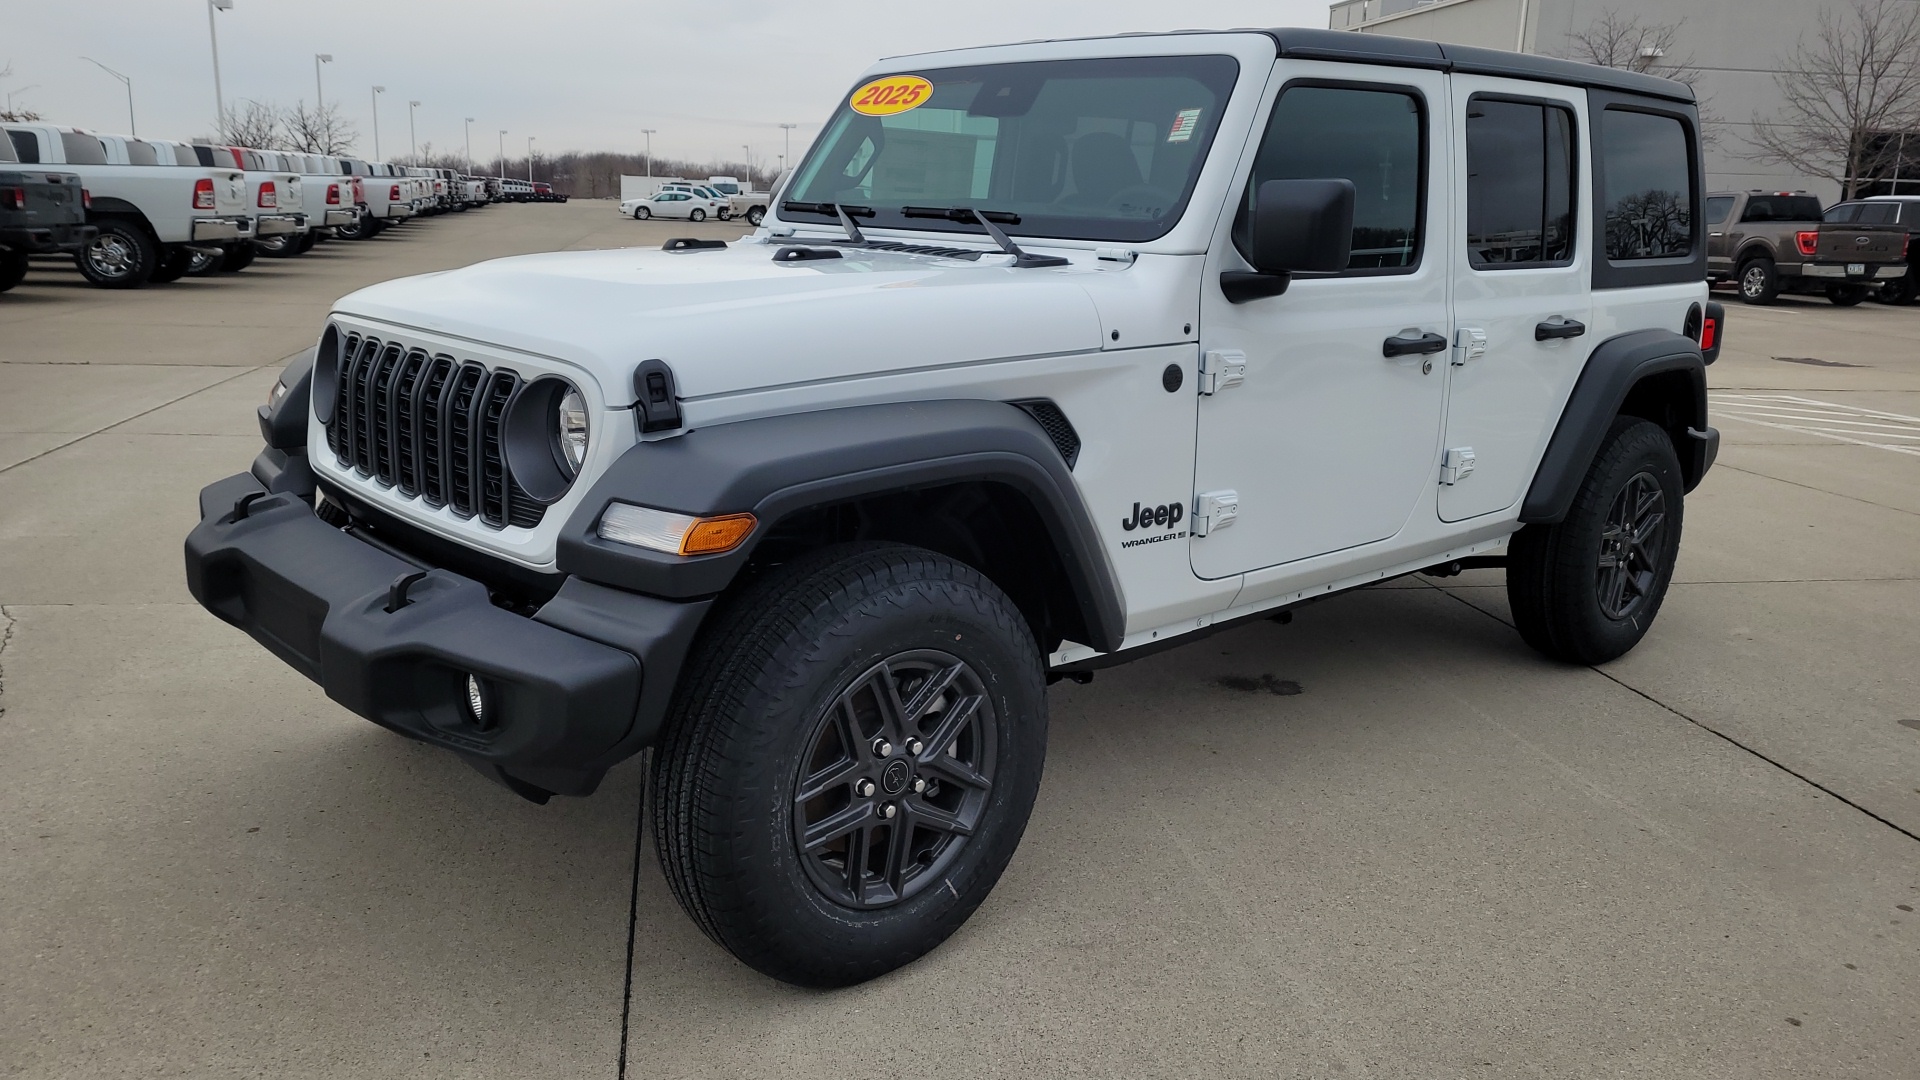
732 319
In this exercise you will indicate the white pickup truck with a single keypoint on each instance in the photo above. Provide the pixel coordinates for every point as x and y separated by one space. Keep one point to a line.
741 202
273 193
326 197
383 199
152 211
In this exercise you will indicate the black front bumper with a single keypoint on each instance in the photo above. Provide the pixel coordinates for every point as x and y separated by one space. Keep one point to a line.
48 239
567 691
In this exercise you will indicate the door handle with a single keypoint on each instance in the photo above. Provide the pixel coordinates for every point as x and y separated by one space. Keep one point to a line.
1555 331
1405 346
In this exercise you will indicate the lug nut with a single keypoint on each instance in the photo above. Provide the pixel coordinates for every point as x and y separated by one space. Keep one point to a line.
863 788
919 785
887 811
914 746
882 748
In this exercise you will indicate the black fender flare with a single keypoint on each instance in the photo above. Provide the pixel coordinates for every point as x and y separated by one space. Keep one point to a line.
107 206
780 465
1615 367
1753 249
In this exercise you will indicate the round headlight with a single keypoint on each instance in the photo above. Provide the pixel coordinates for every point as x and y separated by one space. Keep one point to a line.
570 430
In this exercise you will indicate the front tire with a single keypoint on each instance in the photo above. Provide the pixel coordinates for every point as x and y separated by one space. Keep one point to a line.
754 216
641 213
1901 290
1759 281
1587 589
850 762
122 256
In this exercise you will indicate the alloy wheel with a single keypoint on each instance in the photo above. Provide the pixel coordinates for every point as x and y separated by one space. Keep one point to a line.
1632 547
895 780
112 256
1754 282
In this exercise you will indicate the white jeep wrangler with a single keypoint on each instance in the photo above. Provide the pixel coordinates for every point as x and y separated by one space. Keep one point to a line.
1048 356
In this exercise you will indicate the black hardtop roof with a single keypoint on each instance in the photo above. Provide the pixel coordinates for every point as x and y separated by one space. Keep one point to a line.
1347 46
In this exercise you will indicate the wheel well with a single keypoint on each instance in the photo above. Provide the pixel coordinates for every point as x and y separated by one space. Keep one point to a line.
988 526
1668 399
121 210
1753 252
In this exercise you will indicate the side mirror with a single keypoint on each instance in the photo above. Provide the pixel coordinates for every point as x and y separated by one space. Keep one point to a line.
1299 226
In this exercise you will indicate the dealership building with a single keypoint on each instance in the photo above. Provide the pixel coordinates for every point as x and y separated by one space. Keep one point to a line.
1734 46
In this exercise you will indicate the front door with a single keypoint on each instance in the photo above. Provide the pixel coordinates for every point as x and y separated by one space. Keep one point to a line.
1522 260
1326 442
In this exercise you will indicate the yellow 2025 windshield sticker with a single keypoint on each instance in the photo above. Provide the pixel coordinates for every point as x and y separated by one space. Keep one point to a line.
891 95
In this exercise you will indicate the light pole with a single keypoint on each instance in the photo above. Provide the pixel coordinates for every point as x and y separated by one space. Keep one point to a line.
377 91
749 151
787 131
469 146
132 128
529 159
319 95
413 144
219 97
503 153
648 132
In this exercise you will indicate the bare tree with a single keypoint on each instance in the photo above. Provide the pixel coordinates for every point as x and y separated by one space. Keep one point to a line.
11 115
252 124
1627 42
320 130
1850 95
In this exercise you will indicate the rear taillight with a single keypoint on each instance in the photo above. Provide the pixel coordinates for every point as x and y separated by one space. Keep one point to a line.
1809 242
86 199
1709 333
269 197
12 198
203 194
393 193
333 194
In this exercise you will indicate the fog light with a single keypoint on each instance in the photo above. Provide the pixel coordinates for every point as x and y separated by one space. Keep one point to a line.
476 701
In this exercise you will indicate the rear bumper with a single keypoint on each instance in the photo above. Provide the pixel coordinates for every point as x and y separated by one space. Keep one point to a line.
45 239
1839 271
214 230
336 218
562 689
277 224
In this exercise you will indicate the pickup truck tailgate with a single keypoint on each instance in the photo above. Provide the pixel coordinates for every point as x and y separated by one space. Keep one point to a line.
1843 243
50 199
230 192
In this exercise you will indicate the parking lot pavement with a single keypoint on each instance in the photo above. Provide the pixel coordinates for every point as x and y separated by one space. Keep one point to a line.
1384 840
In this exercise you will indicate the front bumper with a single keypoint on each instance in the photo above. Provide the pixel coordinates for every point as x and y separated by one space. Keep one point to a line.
395 640
47 239
215 230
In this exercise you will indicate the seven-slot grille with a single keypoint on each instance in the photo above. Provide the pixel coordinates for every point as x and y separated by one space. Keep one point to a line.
431 426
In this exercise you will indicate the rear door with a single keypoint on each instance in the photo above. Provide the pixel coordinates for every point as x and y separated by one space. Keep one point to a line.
1521 269
1719 248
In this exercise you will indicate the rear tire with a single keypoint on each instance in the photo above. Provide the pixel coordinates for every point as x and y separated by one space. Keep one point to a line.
1902 290
122 256
173 266
1847 295
283 246
754 216
697 215
1758 281
801 678
13 269
1586 590
204 263
307 240
238 257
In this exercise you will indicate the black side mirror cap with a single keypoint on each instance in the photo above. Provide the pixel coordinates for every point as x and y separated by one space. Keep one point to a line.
1302 226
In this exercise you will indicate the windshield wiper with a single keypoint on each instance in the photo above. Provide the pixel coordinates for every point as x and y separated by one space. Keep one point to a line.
846 214
968 215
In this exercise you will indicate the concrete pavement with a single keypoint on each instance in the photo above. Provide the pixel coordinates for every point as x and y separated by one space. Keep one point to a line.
1441 857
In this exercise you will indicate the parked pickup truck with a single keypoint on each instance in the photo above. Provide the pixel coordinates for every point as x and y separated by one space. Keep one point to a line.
152 213
326 198
40 212
382 200
1900 210
1768 243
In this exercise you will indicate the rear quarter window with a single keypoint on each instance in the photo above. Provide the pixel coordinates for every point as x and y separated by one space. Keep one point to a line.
139 153
1646 161
26 146
82 149
1719 208
6 150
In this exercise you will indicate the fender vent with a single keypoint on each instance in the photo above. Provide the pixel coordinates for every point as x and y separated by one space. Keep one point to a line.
1055 424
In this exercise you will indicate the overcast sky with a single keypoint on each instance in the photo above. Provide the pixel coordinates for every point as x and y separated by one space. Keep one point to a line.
575 74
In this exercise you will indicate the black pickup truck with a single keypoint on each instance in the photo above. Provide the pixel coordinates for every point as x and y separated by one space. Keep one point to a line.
40 213
1768 243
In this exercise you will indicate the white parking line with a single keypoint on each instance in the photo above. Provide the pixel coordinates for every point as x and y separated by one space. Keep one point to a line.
1823 419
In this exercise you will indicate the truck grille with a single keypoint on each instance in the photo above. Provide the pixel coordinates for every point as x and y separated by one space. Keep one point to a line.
431 427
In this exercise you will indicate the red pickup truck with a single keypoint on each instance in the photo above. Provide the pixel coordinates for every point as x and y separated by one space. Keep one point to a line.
1768 243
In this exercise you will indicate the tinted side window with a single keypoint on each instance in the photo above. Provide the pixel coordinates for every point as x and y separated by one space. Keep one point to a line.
139 153
1843 213
26 146
1519 184
1375 138
1719 208
1647 165
1885 213
1783 208
82 149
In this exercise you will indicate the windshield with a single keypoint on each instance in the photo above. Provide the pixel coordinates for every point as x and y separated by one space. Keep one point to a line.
1104 149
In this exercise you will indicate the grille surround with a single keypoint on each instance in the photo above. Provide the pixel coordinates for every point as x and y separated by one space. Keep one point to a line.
428 426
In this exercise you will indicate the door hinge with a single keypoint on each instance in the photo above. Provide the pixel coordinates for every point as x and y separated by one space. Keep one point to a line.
1456 465
1469 343
1215 510
1222 368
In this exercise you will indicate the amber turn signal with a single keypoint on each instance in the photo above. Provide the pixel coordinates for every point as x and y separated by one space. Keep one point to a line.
714 536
